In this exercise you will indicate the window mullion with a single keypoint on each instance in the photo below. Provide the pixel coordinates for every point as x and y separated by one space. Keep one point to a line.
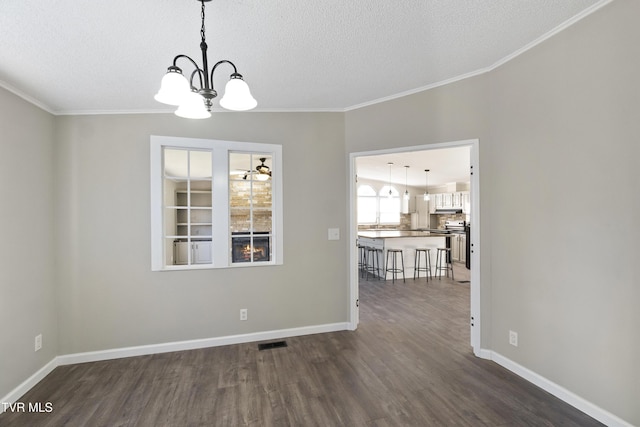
189 212
220 208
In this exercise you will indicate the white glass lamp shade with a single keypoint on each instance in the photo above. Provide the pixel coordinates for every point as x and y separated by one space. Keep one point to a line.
426 197
192 107
237 96
262 177
173 88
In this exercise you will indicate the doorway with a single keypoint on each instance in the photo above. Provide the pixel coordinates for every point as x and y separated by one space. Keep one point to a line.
474 192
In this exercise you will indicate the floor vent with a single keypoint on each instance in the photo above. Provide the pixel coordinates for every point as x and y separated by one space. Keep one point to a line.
270 345
464 281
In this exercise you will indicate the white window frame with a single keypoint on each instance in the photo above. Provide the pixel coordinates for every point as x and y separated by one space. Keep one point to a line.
221 253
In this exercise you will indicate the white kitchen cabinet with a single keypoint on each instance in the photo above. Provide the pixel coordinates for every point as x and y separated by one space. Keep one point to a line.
462 240
455 248
459 247
466 203
422 212
462 200
456 201
437 202
447 200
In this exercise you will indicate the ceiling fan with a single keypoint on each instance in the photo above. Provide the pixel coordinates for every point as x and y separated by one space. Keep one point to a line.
260 173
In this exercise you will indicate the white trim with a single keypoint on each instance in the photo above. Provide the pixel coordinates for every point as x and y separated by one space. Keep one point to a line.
560 392
143 350
566 24
28 384
117 353
352 220
475 301
213 111
27 98
483 353
419 89
220 150
563 26
95 356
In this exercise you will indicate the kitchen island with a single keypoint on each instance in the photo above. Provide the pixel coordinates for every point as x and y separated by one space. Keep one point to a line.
408 242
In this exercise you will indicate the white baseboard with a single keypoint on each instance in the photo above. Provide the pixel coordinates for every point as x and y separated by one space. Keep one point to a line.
560 392
28 384
95 356
483 353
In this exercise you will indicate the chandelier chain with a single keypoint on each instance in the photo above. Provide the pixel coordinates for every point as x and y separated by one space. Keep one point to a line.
202 28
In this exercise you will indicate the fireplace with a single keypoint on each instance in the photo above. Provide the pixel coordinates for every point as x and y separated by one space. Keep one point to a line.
242 250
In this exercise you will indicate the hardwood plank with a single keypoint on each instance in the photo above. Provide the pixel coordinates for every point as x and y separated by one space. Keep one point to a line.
409 363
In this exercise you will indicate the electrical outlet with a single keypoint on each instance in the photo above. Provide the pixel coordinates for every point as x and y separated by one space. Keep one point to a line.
513 338
243 314
38 343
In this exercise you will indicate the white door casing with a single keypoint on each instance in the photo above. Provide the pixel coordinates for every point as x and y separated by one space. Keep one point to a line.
475 309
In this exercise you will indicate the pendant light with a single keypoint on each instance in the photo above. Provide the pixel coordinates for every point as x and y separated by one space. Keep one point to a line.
426 178
390 193
406 191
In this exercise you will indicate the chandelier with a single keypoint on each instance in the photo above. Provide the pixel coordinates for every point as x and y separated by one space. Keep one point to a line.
195 102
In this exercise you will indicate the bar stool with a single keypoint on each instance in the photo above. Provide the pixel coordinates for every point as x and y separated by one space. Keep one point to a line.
362 259
372 261
444 253
427 263
394 270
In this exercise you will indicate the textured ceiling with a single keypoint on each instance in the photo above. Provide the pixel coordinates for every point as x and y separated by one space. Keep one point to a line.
81 56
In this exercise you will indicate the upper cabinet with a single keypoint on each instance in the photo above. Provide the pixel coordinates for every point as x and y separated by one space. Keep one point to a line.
436 202
456 200
466 203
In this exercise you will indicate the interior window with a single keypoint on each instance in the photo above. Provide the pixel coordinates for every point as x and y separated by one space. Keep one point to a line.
215 203
251 207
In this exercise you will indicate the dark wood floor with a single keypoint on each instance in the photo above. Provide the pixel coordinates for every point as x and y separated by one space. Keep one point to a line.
409 363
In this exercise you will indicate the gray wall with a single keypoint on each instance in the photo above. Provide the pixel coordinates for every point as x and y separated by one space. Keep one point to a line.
558 129
109 298
27 291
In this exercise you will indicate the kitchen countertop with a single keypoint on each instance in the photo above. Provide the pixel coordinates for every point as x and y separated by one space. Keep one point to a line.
386 234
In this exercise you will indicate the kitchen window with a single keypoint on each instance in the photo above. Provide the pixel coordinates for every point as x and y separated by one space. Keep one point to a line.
367 205
381 207
390 205
215 204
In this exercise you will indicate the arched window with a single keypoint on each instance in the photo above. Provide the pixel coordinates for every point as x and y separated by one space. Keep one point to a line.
367 205
389 205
